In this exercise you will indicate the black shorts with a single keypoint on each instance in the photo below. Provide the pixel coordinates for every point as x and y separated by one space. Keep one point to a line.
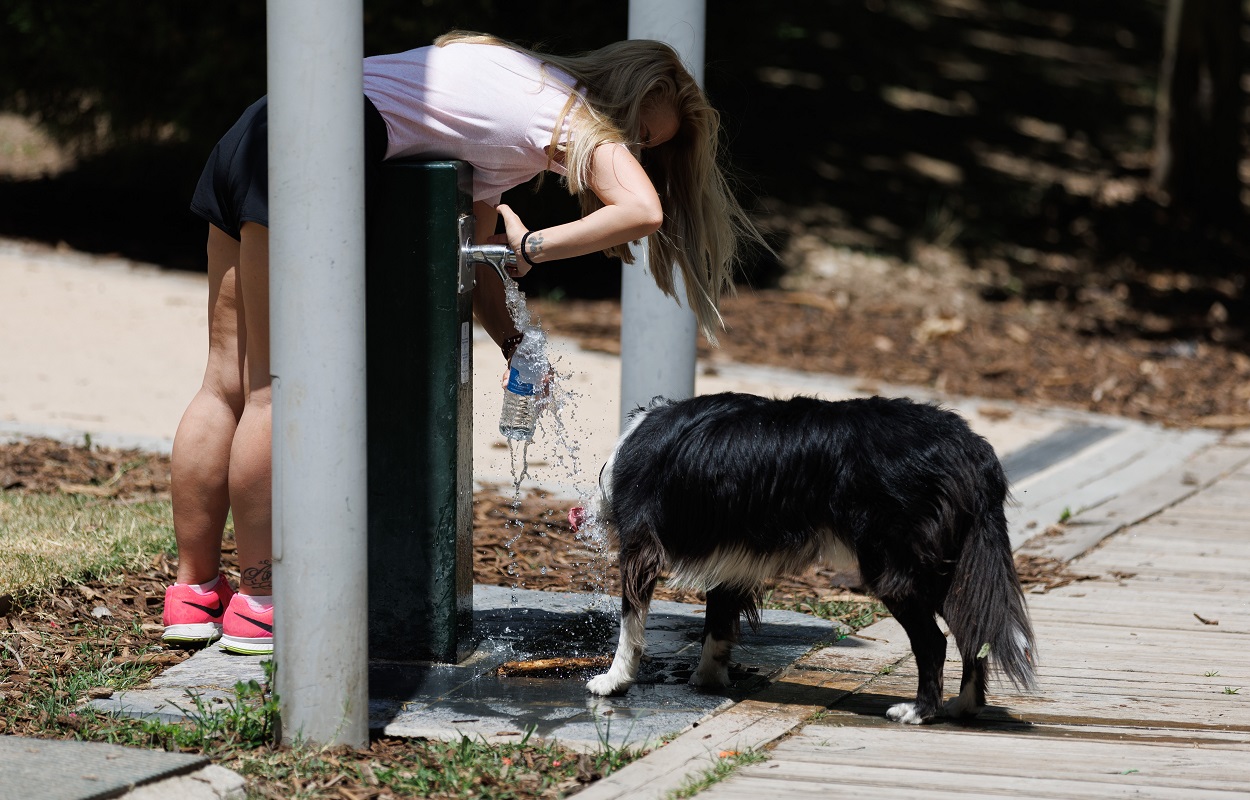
234 186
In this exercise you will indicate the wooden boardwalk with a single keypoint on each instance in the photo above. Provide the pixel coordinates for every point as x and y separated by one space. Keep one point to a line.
1145 677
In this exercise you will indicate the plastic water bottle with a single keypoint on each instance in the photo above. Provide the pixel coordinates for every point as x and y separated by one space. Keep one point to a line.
525 377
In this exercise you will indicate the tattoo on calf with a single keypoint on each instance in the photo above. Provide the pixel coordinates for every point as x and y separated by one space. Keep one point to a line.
259 578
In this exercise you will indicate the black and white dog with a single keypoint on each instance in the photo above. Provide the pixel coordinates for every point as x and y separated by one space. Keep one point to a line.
727 491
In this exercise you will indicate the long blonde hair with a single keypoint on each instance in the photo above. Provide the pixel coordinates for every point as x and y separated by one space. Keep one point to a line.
703 224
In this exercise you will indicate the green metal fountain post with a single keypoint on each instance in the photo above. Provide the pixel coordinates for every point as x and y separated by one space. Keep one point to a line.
420 402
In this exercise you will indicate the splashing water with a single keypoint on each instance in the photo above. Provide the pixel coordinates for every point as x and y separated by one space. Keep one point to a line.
556 404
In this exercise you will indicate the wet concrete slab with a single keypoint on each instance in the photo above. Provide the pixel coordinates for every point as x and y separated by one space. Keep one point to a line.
517 625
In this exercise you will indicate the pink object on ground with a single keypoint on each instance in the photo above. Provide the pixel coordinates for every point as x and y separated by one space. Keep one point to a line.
246 631
192 618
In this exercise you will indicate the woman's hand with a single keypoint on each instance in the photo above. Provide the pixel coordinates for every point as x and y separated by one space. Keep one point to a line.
516 231
631 210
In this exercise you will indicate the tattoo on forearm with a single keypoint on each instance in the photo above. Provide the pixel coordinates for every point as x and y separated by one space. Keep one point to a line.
534 244
259 579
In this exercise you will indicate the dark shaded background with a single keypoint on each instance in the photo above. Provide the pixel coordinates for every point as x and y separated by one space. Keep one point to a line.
1017 133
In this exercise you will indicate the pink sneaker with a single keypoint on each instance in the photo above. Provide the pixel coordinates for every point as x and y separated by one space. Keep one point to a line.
245 631
194 619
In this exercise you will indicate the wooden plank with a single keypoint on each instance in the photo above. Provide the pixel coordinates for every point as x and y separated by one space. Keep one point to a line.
871 746
1169 538
1133 504
1218 500
1058 446
750 724
881 783
1195 571
1114 701
1174 605
990 763
1064 674
753 788
1137 450
1162 592
1084 774
893 745
1055 610
1191 525
1173 548
1221 618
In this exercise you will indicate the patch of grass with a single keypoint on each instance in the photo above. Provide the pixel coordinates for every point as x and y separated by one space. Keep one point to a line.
249 720
1232 690
243 723
855 614
50 539
613 757
53 692
729 760
430 769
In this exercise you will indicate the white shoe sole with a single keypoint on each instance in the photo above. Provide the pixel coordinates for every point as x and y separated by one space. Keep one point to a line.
257 646
196 633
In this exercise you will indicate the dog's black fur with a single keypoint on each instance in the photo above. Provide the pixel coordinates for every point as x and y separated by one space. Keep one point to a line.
726 491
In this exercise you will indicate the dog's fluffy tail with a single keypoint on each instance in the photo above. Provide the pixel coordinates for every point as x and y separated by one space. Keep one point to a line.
985 606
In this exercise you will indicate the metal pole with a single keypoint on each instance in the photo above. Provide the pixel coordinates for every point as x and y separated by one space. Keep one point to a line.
317 285
657 334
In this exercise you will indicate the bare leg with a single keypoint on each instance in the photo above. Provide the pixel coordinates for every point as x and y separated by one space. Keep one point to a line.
201 453
251 468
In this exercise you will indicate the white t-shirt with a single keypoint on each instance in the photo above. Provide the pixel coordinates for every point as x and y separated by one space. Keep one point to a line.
488 105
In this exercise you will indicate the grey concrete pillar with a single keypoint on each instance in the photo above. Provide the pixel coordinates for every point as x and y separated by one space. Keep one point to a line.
317 306
657 333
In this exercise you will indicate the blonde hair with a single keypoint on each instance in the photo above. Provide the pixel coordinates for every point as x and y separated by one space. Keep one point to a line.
703 224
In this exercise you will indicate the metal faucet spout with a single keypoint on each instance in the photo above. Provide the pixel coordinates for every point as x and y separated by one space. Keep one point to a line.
499 256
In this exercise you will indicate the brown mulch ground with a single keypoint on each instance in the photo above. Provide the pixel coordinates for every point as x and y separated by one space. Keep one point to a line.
1038 353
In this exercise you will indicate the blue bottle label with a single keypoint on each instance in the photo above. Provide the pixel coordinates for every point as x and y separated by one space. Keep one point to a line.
516 386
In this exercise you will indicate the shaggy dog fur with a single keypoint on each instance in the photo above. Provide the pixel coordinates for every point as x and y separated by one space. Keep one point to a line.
728 491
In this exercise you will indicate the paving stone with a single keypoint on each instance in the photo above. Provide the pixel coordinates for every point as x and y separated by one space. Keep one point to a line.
68 770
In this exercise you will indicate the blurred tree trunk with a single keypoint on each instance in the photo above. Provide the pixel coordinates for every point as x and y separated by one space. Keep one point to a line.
1198 127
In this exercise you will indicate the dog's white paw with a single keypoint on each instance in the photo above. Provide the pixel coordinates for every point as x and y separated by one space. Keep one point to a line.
606 684
905 713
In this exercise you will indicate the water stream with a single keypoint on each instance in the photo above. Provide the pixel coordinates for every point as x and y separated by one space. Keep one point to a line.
556 410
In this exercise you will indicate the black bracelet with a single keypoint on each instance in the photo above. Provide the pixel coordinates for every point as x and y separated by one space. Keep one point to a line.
510 345
524 254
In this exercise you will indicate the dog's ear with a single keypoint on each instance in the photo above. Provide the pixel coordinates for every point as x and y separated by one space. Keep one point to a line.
656 402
